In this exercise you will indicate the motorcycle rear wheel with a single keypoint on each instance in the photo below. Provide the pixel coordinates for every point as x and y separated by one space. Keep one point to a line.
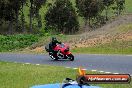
52 56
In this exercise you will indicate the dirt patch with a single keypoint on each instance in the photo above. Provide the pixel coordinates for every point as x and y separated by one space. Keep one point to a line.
38 49
124 36
105 34
102 39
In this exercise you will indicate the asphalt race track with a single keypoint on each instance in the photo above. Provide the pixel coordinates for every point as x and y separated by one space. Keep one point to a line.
107 63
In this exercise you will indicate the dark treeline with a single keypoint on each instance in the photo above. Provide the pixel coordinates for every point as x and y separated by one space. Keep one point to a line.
61 16
12 18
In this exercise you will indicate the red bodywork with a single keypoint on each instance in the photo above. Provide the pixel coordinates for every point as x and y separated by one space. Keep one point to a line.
62 47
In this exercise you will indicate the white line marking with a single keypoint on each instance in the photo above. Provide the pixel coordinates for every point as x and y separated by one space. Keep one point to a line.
101 71
115 73
27 63
128 55
37 64
75 68
94 70
107 72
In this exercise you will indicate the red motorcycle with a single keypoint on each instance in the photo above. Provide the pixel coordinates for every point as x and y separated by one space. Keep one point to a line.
61 52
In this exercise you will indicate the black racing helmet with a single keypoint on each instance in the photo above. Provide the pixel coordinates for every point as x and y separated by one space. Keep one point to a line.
54 39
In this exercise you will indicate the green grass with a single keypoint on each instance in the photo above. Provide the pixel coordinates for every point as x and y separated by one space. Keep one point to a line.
15 75
24 76
128 6
124 28
116 47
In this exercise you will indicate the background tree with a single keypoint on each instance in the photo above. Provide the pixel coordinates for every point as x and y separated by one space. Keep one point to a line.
31 15
23 2
10 13
107 3
18 7
120 6
1 11
89 9
35 6
62 17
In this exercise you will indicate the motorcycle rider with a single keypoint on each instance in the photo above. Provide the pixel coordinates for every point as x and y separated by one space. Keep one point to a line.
53 43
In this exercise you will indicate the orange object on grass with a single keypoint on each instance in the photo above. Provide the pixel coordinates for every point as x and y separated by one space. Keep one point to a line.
82 72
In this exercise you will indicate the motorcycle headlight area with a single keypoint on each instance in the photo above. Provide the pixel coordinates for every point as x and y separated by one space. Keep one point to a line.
66 50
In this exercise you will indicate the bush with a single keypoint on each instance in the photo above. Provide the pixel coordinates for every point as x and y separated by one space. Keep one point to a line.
12 42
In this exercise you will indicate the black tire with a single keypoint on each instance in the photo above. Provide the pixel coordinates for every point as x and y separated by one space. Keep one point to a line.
71 57
52 56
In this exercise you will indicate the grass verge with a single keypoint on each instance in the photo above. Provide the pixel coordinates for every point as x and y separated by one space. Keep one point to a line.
128 6
14 75
24 76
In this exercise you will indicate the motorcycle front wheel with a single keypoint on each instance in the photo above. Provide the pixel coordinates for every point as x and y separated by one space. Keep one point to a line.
70 57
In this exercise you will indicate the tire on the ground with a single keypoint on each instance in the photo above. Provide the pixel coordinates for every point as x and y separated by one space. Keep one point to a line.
71 57
55 58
